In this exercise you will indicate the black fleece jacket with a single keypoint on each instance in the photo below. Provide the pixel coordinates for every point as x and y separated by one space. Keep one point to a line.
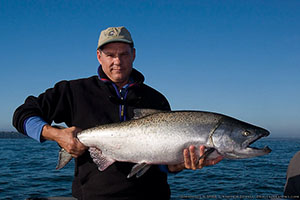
90 102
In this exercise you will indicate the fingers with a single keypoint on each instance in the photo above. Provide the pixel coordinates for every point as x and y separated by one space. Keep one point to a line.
191 158
70 142
202 160
187 160
215 161
74 130
76 148
79 148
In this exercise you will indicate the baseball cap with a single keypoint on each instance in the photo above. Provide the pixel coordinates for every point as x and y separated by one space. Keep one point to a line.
114 34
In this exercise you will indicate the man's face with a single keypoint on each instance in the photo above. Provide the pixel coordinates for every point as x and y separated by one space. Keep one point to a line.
116 60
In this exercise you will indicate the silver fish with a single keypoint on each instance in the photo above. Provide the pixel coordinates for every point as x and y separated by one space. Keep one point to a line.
159 137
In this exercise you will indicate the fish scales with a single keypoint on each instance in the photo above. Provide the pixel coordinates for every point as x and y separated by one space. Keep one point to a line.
159 137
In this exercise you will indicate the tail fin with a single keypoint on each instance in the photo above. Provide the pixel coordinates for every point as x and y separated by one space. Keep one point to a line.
63 158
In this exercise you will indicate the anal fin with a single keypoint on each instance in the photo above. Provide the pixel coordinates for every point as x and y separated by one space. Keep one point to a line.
138 170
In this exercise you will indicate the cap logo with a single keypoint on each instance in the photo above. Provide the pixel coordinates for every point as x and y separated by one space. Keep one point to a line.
111 33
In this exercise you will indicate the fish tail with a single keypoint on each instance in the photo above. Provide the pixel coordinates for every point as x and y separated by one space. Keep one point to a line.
63 158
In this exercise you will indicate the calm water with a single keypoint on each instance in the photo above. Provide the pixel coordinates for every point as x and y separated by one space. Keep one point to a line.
28 170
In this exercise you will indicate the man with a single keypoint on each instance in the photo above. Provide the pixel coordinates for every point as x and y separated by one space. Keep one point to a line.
292 185
107 98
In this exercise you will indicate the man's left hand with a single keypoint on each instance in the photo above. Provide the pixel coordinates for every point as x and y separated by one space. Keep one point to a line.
191 158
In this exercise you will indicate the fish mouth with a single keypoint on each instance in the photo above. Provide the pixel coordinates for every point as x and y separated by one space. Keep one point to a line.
264 150
247 151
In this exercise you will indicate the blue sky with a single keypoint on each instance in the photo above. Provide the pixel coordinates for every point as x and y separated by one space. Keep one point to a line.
239 58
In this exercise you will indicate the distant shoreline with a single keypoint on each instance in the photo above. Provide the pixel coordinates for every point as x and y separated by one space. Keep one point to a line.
11 135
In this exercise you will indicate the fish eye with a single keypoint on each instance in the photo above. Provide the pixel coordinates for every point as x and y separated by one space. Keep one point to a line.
246 133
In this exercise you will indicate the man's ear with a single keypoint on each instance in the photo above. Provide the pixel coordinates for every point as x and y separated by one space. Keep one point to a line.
99 56
133 54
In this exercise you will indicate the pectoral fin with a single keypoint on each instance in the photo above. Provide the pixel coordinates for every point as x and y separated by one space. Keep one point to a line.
206 154
101 161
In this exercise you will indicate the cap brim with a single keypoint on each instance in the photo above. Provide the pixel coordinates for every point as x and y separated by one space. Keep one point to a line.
115 40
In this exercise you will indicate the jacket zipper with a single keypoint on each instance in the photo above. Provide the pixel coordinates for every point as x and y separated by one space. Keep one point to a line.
122 110
122 96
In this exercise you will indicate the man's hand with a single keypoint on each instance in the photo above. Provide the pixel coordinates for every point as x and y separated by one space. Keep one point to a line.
190 160
66 138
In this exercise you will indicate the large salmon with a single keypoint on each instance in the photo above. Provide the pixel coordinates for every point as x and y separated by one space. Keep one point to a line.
159 137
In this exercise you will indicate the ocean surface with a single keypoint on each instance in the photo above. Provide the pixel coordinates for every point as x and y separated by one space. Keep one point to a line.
27 170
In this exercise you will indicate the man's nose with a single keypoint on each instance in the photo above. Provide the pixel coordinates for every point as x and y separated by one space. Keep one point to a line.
117 60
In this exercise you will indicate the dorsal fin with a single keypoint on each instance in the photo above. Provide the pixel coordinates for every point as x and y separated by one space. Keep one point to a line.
143 112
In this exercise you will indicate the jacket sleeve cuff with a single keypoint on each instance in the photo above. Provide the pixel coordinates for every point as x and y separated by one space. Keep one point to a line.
33 127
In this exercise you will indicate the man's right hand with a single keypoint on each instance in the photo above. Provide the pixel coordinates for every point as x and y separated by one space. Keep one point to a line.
66 138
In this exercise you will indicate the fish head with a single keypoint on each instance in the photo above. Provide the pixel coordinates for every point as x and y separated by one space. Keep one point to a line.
233 138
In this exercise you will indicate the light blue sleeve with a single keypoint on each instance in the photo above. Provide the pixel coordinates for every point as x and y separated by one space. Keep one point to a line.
33 127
